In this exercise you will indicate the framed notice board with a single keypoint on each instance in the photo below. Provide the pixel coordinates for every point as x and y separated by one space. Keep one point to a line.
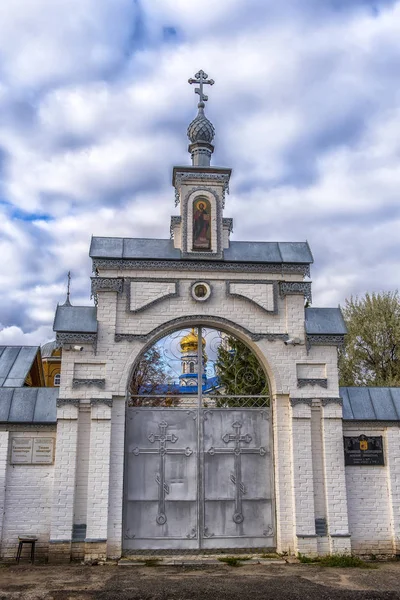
363 450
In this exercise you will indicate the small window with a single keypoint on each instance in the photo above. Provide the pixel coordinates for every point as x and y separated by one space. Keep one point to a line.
57 379
191 367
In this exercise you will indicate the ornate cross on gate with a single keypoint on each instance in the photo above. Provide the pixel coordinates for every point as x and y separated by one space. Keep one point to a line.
237 451
163 488
201 78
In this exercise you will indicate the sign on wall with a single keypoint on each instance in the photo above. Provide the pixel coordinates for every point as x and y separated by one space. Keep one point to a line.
363 450
32 451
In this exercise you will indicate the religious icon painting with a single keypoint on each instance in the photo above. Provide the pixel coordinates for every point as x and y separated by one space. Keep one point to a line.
201 224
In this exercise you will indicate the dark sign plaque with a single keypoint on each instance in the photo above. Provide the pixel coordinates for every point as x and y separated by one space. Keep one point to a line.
363 450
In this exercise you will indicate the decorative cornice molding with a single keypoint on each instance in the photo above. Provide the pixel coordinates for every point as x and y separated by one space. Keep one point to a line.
96 401
198 320
324 340
287 288
76 338
227 223
312 381
96 382
327 401
169 265
296 401
105 284
175 220
64 401
130 280
274 284
182 176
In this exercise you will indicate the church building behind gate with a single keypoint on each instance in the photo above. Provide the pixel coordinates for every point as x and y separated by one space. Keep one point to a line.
84 502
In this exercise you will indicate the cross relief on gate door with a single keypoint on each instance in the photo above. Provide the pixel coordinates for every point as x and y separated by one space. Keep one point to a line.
162 438
236 477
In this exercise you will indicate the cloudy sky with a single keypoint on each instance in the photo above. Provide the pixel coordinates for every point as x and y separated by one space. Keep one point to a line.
94 105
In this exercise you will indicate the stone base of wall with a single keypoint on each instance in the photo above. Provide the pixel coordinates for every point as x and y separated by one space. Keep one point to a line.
307 545
59 552
77 550
96 550
340 544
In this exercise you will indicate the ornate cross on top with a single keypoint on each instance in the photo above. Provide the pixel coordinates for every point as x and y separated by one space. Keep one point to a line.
67 301
201 78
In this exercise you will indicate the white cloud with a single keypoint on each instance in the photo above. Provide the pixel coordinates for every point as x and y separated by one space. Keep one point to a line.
95 108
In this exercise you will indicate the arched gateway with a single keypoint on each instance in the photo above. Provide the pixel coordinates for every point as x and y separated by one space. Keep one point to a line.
198 469
199 465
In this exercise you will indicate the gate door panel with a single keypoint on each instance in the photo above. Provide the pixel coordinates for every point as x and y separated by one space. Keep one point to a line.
161 485
237 478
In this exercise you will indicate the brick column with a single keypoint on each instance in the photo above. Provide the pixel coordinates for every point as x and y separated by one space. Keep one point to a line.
115 509
393 474
98 479
335 479
62 514
303 478
283 474
4 437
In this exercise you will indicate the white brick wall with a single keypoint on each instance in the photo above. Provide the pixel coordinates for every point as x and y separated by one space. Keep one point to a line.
27 500
369 500
260 293
145 292
99 471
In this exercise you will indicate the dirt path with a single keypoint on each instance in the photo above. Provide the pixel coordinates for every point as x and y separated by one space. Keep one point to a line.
258 582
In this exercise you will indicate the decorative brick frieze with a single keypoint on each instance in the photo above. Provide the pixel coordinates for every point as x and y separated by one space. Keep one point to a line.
227 223
175 222
181 177
65 401
96 401
295 287
105 284
305 382
296 401
194 265
327 401
64 339
324 340
86 382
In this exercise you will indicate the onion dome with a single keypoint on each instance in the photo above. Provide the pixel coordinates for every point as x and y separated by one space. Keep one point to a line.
201 129
190 342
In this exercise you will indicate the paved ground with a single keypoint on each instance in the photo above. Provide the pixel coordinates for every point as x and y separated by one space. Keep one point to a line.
222 582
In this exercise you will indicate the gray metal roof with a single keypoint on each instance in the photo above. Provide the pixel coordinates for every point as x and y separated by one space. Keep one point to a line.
325 321
28 405
158 249
80 319
371 403
15 364
48 348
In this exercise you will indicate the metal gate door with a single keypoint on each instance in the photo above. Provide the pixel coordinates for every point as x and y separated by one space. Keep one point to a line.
198 477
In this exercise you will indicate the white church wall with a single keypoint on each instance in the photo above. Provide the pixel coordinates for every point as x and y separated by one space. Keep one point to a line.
27 498
369 499
115 503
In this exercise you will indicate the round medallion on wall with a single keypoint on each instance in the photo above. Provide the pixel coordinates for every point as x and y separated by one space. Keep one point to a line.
201 291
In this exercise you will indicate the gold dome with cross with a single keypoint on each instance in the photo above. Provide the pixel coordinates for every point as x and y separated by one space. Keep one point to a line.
190 342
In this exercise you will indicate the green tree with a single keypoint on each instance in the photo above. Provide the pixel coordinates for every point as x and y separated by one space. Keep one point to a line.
239 372
371 355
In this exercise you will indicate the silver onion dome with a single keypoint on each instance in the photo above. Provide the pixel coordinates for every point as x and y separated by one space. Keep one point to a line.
201 129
